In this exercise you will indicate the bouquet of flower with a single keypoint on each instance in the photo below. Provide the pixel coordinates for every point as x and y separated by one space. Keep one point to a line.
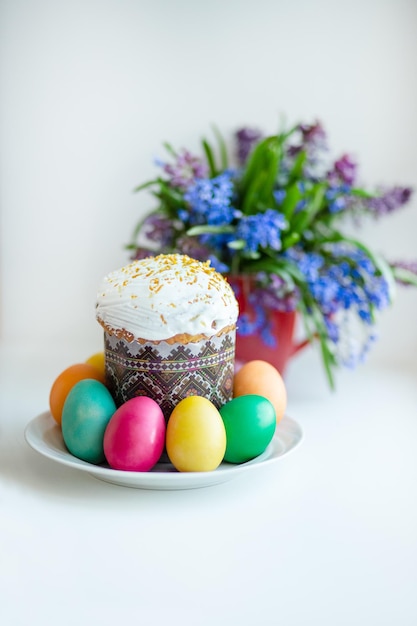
275 212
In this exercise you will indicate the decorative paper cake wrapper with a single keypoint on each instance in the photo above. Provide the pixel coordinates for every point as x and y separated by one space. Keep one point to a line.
170 372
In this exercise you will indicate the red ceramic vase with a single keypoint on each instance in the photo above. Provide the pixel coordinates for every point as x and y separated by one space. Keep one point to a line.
282 327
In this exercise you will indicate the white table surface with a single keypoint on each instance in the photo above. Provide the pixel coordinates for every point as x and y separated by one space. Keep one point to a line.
326 536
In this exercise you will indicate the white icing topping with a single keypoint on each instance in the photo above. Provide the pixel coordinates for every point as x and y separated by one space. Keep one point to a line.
159 297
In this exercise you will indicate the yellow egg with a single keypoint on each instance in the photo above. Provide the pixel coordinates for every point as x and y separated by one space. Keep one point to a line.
195 436
97 361
262 379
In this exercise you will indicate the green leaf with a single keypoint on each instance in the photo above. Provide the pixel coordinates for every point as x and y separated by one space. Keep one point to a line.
286 135
290 240
328 362
280 267
170 149
361 193
148 184
297 169
304 218
210 158
169 195
236 244
307 321
404 276
286 277
297 275
207 229
324 233
259 179
265 265
223 149
249 254
292 198
255 199
315 316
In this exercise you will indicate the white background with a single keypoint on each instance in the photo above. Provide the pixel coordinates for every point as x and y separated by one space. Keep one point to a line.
89 91
91 88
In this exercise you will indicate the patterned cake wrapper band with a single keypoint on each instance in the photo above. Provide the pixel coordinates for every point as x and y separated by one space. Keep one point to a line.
170 372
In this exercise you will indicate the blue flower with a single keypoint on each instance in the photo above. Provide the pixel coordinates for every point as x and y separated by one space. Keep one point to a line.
258 322
279 195
262 230
332 329
346 281
337 205
338 197
218 265
210 201
300 205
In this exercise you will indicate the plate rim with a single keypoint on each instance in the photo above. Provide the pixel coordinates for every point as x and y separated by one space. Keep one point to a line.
288 434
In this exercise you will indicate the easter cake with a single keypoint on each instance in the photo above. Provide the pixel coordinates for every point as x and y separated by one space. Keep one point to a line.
169 331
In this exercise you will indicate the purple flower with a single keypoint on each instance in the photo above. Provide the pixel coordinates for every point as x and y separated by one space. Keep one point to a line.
277 296
411 266
159 229
186 169
313 142
262 230
313 138
196 249
193 248
246 138
389 201
313 134
344 171
142 253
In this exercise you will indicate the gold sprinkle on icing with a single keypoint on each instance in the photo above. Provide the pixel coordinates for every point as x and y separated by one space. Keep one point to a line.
165 294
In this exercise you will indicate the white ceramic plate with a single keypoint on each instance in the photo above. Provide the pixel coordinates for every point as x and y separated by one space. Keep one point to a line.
44 436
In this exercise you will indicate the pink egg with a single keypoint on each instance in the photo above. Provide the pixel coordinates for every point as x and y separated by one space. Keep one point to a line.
135 435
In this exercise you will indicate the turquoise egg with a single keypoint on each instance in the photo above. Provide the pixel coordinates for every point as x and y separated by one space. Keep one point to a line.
250 423
86 413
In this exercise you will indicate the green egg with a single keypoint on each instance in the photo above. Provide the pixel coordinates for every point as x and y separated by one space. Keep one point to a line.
250 423
86 413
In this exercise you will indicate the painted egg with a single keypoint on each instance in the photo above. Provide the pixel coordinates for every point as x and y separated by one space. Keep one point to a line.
262 379
66 381
135 436
85 415
196 436
97 360
250 423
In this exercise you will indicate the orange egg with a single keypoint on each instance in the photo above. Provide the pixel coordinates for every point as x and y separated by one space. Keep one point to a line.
97 360
262 379
65 382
